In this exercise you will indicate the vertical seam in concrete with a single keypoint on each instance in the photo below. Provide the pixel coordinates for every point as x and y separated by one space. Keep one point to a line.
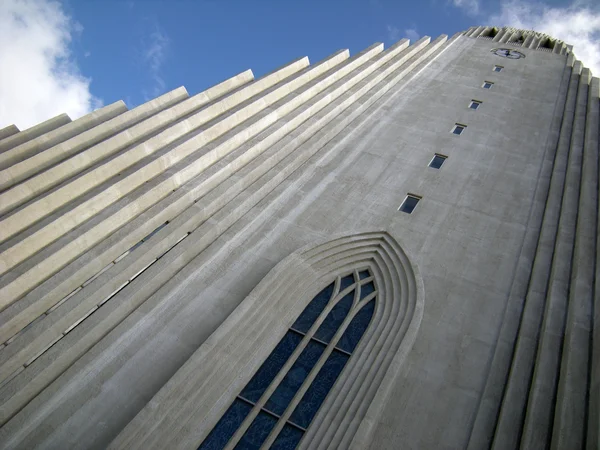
593 395
510 415
489 402
570 419
537 428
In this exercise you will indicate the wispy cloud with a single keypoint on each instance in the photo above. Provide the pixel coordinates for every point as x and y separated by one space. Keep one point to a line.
393 33
154 52
470 7
412 34
38 76
577 25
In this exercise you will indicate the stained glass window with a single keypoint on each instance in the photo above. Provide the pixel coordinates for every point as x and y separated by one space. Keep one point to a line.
310 360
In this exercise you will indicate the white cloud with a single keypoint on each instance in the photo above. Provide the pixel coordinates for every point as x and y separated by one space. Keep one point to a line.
393 33
154 52
412 34
470 7
576 25
38 77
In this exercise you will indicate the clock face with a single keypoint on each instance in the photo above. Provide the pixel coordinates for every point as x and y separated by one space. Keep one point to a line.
508 53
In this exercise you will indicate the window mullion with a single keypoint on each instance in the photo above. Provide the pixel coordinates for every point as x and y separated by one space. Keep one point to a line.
336 296
313 373
268 392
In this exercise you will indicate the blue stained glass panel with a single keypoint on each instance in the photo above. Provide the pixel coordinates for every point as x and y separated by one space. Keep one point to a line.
294 378
318 390
357 327
335 318
288 439
366 289
227 426
347 281
364 274
271 367
258 432
313 310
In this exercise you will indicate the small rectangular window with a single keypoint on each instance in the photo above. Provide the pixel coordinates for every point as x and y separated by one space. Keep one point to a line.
458 129
409 204
474 104
487 85
437 161
498 68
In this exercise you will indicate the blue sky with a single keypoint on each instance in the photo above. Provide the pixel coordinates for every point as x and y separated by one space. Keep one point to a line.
200 43
80 54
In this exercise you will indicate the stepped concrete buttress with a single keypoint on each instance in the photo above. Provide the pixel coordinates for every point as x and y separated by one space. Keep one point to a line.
151 259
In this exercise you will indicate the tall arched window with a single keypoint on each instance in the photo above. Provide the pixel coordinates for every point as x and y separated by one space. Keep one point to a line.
278 404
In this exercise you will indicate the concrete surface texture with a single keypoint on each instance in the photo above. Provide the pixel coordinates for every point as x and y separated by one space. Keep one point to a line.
151 259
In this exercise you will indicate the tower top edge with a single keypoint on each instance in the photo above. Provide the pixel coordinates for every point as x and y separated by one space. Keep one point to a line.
522 31
520 37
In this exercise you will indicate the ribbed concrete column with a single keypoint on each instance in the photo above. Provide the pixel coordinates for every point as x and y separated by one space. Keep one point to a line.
500 34
128 129
478 31
44 206
204 212
593 425
530 41
512 412
560 48
542 396
59 135
63 150
387 75
194 168
88 208
8 131
486 31
571 408
488 410
470 31
511 35
33 132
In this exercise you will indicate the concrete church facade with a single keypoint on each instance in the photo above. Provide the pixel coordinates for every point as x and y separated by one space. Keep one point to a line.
154 260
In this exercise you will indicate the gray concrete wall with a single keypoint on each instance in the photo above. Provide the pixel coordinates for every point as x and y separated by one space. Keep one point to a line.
94 325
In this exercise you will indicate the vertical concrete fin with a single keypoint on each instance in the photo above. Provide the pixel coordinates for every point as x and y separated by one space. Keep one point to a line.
571 406
17 322
358 70
93 146
560 48
8 131
33 132
31 244
530 41
537 429
499 373
593 418
486 31
47 140
477 32
377 77
100 128
500 34
502 407
508 36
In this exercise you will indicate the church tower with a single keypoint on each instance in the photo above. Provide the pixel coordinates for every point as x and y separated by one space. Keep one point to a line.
396 249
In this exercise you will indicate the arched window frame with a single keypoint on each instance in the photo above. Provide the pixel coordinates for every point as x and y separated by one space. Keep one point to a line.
187 408
361 278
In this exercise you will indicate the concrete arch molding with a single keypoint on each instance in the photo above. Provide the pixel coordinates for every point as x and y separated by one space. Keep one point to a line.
186 409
